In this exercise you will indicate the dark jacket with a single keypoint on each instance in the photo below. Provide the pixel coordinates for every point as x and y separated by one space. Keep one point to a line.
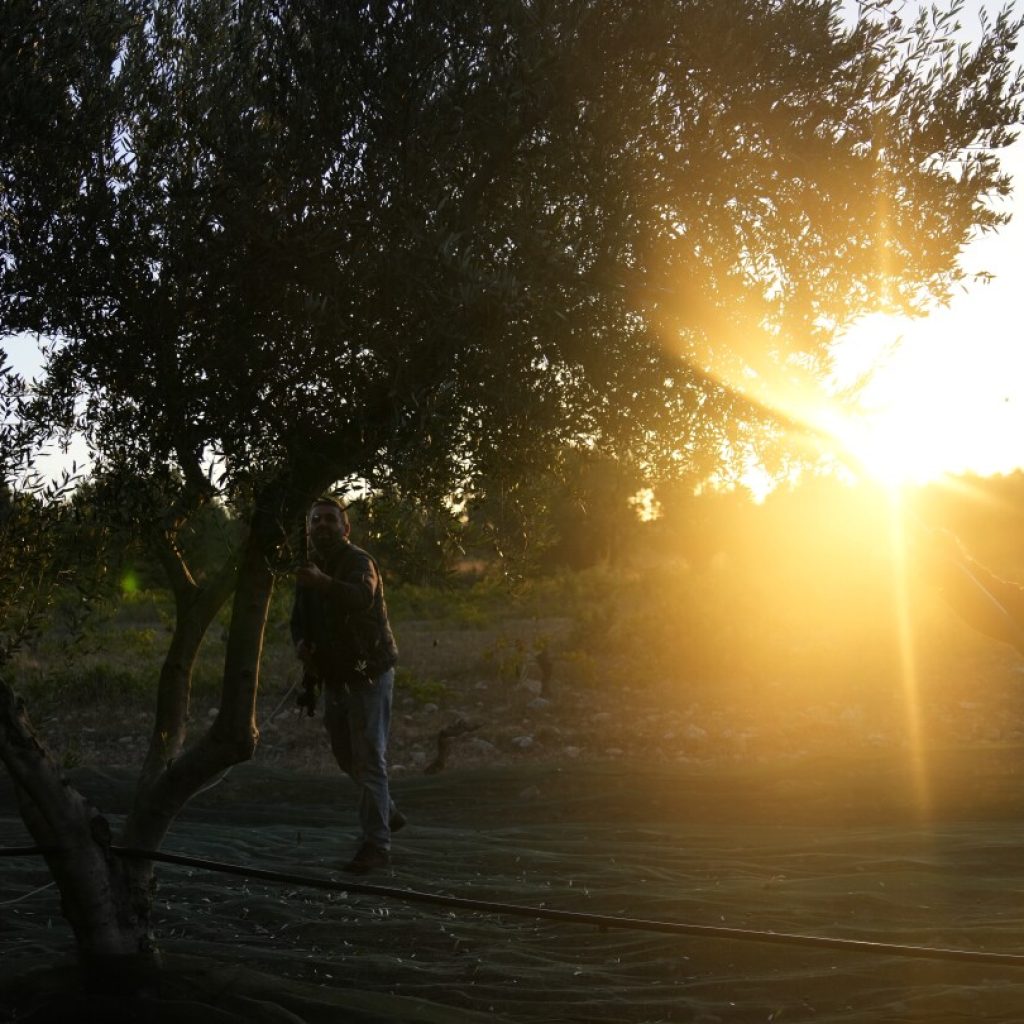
347 621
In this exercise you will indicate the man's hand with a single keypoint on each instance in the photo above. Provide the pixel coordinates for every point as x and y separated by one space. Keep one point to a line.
310 575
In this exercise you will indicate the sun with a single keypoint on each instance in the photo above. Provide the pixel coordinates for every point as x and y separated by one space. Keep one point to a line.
907 403
893 446
937 400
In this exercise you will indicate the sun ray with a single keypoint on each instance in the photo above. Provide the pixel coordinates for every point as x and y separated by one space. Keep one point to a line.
914 731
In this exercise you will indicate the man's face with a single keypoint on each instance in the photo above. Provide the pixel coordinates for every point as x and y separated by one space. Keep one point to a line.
327 528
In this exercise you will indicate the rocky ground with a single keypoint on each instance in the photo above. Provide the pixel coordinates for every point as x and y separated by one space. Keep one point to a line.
475 697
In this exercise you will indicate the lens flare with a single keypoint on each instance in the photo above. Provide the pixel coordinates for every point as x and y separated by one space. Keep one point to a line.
908 655
886 452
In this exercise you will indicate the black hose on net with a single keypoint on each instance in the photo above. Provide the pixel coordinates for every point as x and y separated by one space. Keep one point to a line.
600 921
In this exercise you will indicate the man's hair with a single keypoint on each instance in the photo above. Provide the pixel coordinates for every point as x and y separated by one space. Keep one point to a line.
334 503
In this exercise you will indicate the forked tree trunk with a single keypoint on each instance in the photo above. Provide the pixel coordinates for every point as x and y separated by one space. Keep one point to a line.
107 898
231 739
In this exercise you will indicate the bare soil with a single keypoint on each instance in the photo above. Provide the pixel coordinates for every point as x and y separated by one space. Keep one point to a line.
515 713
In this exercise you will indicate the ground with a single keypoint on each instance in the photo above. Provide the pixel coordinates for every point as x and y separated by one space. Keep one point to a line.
489 678
824 816
834 847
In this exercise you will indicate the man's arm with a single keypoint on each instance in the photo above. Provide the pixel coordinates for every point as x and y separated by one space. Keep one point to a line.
304 649
353 589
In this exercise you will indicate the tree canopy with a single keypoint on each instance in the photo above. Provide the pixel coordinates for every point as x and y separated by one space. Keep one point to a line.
436 245
433 240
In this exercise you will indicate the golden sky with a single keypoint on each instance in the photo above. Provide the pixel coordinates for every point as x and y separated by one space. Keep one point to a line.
948 396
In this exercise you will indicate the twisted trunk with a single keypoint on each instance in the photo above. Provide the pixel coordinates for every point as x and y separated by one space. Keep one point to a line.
107 898
97 894
173 774
166 787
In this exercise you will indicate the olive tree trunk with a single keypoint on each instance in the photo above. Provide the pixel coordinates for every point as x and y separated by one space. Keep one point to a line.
95 885
107 898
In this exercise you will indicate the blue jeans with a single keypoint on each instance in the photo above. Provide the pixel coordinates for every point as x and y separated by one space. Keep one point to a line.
357 717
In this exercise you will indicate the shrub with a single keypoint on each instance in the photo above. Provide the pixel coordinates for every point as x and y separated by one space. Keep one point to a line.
423 689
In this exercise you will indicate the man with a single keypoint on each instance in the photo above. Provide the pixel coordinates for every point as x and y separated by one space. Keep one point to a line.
342 637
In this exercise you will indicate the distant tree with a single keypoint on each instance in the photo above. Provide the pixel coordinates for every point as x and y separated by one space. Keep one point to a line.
700 527
575 514
428 244
32 557
419 540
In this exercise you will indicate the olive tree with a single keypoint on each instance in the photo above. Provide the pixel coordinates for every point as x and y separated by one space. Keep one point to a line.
428 245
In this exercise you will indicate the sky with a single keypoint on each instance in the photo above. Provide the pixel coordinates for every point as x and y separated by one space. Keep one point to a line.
947 391
949 397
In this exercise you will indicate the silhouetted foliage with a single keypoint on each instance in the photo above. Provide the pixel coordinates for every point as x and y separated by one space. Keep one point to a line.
36 555
431 244
418 541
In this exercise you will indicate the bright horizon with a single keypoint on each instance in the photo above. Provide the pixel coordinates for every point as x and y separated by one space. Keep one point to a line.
948 399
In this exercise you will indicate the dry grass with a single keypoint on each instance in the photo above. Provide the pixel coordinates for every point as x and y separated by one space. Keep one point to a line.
662 664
